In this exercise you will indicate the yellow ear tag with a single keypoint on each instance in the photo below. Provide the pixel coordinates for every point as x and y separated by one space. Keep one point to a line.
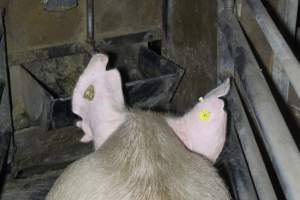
89 93
204 115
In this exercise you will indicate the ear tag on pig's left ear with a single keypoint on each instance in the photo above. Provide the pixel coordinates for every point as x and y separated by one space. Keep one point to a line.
204 115
89 93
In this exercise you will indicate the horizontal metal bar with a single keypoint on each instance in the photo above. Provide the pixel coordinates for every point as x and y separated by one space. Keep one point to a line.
274 132
280 47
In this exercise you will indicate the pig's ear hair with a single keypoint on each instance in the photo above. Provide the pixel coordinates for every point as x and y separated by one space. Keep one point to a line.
219 91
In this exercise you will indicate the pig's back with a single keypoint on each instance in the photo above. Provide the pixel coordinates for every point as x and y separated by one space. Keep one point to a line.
142 160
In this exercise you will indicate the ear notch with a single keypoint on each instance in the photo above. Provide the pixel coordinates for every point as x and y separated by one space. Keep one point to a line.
219 91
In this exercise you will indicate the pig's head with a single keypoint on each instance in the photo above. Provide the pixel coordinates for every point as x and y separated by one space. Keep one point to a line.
203 129
98 100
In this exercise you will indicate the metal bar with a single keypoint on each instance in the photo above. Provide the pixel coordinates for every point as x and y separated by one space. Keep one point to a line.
251 151
280 79
274 132
281 49
90 21
264 51
291 12
5 109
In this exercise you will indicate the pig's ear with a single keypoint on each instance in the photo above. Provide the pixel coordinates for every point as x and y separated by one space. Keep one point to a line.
219 91
107 113
94 70
203 129
97 99
97 64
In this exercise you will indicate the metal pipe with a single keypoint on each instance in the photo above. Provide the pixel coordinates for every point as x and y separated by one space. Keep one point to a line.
90 21
254 159
274 132
280 47
244 132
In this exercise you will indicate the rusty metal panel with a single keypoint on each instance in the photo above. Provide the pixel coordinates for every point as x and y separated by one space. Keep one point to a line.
29 26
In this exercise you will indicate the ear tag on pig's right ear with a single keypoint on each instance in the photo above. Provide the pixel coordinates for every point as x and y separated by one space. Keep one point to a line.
89 93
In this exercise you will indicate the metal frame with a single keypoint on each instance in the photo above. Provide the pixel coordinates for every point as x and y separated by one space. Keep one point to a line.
257 168
282 52
273 130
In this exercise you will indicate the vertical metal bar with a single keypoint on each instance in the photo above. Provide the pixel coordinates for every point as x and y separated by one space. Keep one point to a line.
5 107
274 132
90 21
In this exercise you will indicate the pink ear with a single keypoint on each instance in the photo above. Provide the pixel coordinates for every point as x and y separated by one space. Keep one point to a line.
88 136
203 129
98 100
220 91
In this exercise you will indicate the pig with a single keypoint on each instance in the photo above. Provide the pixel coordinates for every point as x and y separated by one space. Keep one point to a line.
142 155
